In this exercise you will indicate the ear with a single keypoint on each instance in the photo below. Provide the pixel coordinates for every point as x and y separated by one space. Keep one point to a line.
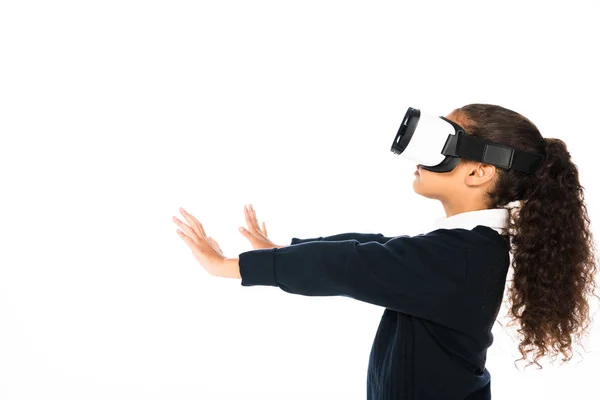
479 173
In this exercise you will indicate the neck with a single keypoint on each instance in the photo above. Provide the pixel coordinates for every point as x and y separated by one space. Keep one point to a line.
461 207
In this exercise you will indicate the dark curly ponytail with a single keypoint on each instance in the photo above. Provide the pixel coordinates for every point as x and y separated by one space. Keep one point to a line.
552 247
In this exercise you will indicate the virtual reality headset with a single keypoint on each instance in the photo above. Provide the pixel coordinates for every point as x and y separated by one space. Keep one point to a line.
437 144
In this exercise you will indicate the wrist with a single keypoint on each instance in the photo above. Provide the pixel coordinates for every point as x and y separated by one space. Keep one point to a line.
230 268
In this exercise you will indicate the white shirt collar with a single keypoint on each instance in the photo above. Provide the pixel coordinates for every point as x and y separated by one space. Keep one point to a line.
495 218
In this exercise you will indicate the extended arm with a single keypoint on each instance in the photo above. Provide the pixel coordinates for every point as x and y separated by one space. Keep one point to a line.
359 237
415 275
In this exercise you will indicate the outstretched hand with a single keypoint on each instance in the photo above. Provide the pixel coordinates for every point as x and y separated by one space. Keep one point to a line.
205 249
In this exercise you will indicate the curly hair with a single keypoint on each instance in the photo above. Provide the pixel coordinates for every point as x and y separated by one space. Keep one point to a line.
554 263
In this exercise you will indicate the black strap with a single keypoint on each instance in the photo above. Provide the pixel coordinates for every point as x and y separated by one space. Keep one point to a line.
477 149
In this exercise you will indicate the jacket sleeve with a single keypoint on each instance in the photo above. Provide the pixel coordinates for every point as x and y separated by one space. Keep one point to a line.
360 237
414 275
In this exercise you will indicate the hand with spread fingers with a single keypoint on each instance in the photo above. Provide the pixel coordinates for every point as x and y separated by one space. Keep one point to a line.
205 249
255 235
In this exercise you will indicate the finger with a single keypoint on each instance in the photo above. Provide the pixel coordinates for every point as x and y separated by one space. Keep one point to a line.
212 242
188 230
198 225
194 223
251 226
186 239
253 218
264 228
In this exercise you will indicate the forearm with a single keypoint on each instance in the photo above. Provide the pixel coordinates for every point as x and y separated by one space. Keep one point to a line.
231 267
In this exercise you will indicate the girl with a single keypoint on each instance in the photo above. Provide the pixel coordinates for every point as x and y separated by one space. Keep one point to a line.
442 290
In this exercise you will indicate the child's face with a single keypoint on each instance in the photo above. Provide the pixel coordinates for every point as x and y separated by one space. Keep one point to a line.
434 185
440 185
467 182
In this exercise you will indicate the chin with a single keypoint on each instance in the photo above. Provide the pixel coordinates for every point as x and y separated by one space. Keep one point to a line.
418 189
416 185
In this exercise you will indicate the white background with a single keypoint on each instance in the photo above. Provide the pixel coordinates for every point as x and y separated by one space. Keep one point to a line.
113 114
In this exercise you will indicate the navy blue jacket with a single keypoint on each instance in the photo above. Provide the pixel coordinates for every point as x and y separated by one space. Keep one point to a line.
441 290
